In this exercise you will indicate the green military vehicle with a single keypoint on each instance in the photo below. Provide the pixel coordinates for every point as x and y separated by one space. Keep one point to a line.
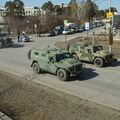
90 53
55 61
5 40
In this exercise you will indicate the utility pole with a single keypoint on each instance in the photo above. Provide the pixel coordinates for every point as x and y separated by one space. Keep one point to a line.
109 6
110 31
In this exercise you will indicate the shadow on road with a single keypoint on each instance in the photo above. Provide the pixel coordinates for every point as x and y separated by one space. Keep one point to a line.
17 45
88 74
115 63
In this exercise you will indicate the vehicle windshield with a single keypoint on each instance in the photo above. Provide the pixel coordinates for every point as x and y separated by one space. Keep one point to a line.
62 56
97 48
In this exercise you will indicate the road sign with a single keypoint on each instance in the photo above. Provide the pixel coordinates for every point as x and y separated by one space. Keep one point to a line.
114 31
65 22
87 25
109 14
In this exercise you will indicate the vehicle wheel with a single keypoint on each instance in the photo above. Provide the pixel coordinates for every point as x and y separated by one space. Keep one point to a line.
1 45
99 62
36 68
75 56
62 74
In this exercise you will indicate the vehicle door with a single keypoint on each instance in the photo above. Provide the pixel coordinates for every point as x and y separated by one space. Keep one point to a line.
50 65
86 54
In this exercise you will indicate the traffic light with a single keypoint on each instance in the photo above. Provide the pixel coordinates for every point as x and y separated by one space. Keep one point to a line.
114 31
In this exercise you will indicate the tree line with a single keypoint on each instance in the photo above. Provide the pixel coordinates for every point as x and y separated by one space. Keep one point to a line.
77 11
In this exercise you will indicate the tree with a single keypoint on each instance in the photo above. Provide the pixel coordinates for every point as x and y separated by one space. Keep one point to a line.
90 10
48 6
19 8
58 10
15 8
14 13
74 8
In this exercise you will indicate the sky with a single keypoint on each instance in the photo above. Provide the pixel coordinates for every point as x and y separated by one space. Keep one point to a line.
103 4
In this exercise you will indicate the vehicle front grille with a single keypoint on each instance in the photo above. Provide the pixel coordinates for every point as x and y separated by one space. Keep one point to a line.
77 68
109 58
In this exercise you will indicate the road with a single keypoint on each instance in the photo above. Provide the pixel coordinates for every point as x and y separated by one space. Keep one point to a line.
101 85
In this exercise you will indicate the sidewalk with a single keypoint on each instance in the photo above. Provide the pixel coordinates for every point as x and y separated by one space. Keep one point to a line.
4 117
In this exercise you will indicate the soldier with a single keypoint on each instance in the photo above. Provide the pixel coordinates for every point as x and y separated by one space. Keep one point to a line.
18 32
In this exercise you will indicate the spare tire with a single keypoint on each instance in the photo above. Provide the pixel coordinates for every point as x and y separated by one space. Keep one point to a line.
29 54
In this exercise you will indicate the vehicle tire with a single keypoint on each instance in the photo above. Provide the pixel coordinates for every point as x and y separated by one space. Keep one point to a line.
1 45
36 67
62 74
75 56
99 62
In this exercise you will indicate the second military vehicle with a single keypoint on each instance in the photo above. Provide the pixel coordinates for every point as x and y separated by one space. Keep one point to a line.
55 61
90 53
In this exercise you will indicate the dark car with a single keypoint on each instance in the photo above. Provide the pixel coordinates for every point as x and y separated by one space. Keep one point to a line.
5 40
51 33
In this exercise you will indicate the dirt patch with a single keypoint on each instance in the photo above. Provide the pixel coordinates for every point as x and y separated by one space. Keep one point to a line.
25 100
102 40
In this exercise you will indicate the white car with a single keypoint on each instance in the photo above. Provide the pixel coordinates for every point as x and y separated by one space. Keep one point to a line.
67 31
24 38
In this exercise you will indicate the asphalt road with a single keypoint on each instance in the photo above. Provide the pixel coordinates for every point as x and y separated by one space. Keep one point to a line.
101 85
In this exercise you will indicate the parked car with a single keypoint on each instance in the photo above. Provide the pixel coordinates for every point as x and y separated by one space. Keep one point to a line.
59 29
68 31
79 29
5 40
24 38
51 33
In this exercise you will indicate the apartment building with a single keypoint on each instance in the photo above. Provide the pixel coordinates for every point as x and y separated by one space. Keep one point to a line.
31 11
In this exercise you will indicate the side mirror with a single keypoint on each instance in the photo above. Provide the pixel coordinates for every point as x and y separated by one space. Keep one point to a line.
51 59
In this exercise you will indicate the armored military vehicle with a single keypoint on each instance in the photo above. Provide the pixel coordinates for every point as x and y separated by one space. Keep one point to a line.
90 53
5 40
55 61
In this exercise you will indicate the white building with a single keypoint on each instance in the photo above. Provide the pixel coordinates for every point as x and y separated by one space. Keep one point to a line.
31 11
2 11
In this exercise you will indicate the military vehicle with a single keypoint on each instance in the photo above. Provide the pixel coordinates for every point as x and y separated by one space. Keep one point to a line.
5 40
90 53
55 61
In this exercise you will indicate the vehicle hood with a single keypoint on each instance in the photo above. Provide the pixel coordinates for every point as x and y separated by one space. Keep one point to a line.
102 53
69 62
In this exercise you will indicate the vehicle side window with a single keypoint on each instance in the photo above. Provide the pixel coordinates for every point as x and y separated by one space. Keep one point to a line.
82 49
75 47
89 51
43 55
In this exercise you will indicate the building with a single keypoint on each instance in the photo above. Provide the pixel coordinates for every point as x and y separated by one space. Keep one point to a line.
2 11
31 11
